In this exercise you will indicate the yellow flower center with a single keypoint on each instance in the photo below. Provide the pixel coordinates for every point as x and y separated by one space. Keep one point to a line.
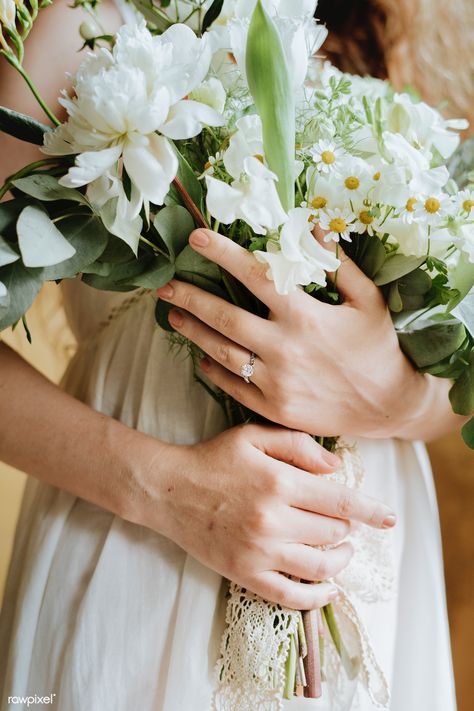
410 206
338 224
259 157
365 217
432 205
319 202
468 205
376 176
328 157
352 183
207 165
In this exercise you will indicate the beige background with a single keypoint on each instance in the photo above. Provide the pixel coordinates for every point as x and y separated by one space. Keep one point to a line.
453 465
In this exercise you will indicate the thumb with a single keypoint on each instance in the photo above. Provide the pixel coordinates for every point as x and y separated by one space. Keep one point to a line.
296 448
352 283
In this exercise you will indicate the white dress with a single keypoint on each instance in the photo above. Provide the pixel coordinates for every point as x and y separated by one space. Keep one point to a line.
109 616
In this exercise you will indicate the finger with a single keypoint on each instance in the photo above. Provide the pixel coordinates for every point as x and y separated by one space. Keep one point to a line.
296 448
275 587
351 281
242 264
331 499
314 529
229 354
312 564
247 394
250 331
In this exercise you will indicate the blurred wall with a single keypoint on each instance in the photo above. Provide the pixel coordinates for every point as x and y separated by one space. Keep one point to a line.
453 465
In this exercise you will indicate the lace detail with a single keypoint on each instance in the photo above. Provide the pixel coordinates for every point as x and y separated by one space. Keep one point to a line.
251 670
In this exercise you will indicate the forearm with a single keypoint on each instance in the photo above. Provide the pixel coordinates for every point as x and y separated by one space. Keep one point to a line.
52 436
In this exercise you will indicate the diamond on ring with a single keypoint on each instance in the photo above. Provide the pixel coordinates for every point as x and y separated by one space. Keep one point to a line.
247 369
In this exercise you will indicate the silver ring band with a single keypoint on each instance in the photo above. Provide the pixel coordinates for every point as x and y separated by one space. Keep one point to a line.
247 369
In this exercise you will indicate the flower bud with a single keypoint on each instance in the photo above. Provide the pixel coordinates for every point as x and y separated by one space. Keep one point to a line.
89 29
7 13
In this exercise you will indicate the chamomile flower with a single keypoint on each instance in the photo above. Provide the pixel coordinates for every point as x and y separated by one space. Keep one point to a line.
366 223
355 178
326 155
337 223
431 210
464 201
322 191
407 213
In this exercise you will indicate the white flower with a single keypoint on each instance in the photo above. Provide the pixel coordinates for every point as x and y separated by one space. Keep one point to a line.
356 178
420 178
297 259
366 223
322 191
464 202
119 215
432 209
7 13
246 141
417 239
128 103
326 155
212 93
407 213
251 197
337 222
423 126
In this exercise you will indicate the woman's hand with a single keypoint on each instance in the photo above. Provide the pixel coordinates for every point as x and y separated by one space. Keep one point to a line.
319 368
249 504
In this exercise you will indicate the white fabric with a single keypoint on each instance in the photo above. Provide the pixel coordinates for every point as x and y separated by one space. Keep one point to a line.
109 616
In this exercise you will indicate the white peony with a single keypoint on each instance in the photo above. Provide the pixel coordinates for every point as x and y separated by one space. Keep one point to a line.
127 105
297 259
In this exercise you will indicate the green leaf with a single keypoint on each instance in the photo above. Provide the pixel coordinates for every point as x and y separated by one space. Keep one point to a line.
429 342
464 312
272 91
189 180
47 187
9 213
461 394
22 126
23 285
415 283
121 277
174 224
395 267
189 264
394 300
159 274
4 298
88 236
467 433
151 14
212 14
7 254
367 252
41 243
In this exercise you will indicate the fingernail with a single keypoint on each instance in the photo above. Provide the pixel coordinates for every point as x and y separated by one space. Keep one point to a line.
165 292
176 318
199 238
331 459
389 521
205 365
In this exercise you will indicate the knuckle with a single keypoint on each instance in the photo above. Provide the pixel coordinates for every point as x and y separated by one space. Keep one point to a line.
377 514
255 271
222 320
223 353
260 521
186 299
344 504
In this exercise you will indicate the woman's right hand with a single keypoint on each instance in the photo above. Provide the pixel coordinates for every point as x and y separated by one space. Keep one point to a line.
247 504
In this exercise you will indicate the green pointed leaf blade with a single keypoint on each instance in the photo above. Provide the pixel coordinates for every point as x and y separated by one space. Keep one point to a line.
174 224
272 91
212 14
22 126
41 243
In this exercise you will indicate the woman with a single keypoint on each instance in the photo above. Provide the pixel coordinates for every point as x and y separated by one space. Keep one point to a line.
114 598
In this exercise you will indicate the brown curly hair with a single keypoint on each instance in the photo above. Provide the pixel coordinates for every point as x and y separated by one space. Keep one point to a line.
423 43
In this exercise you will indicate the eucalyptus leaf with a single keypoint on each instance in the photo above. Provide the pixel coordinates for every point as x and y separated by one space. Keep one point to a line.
416 283
4 298
47 188
394 300
212 14
158 275
41 243
121 276
174 224
428 343
461 394
88 236
368 252
9 213
467 433
395 267
190 263
100 268
271 87
23 285
464 312
22 126
7 254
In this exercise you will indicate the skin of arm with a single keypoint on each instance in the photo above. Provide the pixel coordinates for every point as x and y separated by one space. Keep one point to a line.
246 503
321 369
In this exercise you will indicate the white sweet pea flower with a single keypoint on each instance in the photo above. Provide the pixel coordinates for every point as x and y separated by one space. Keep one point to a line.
128 103
420 178
7 13
417 238
337 223
246 141
212 93
297 259
251 197
423 126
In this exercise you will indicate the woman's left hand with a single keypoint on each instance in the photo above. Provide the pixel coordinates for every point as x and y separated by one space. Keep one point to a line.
319 368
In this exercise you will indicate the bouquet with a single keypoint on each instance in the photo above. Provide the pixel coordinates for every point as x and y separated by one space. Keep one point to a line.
201 113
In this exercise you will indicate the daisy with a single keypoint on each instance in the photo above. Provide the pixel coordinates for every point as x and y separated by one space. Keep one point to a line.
366 223
326 155
356 178
337 223
431 210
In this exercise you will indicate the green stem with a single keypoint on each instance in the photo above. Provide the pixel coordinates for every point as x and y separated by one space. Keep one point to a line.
38 96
